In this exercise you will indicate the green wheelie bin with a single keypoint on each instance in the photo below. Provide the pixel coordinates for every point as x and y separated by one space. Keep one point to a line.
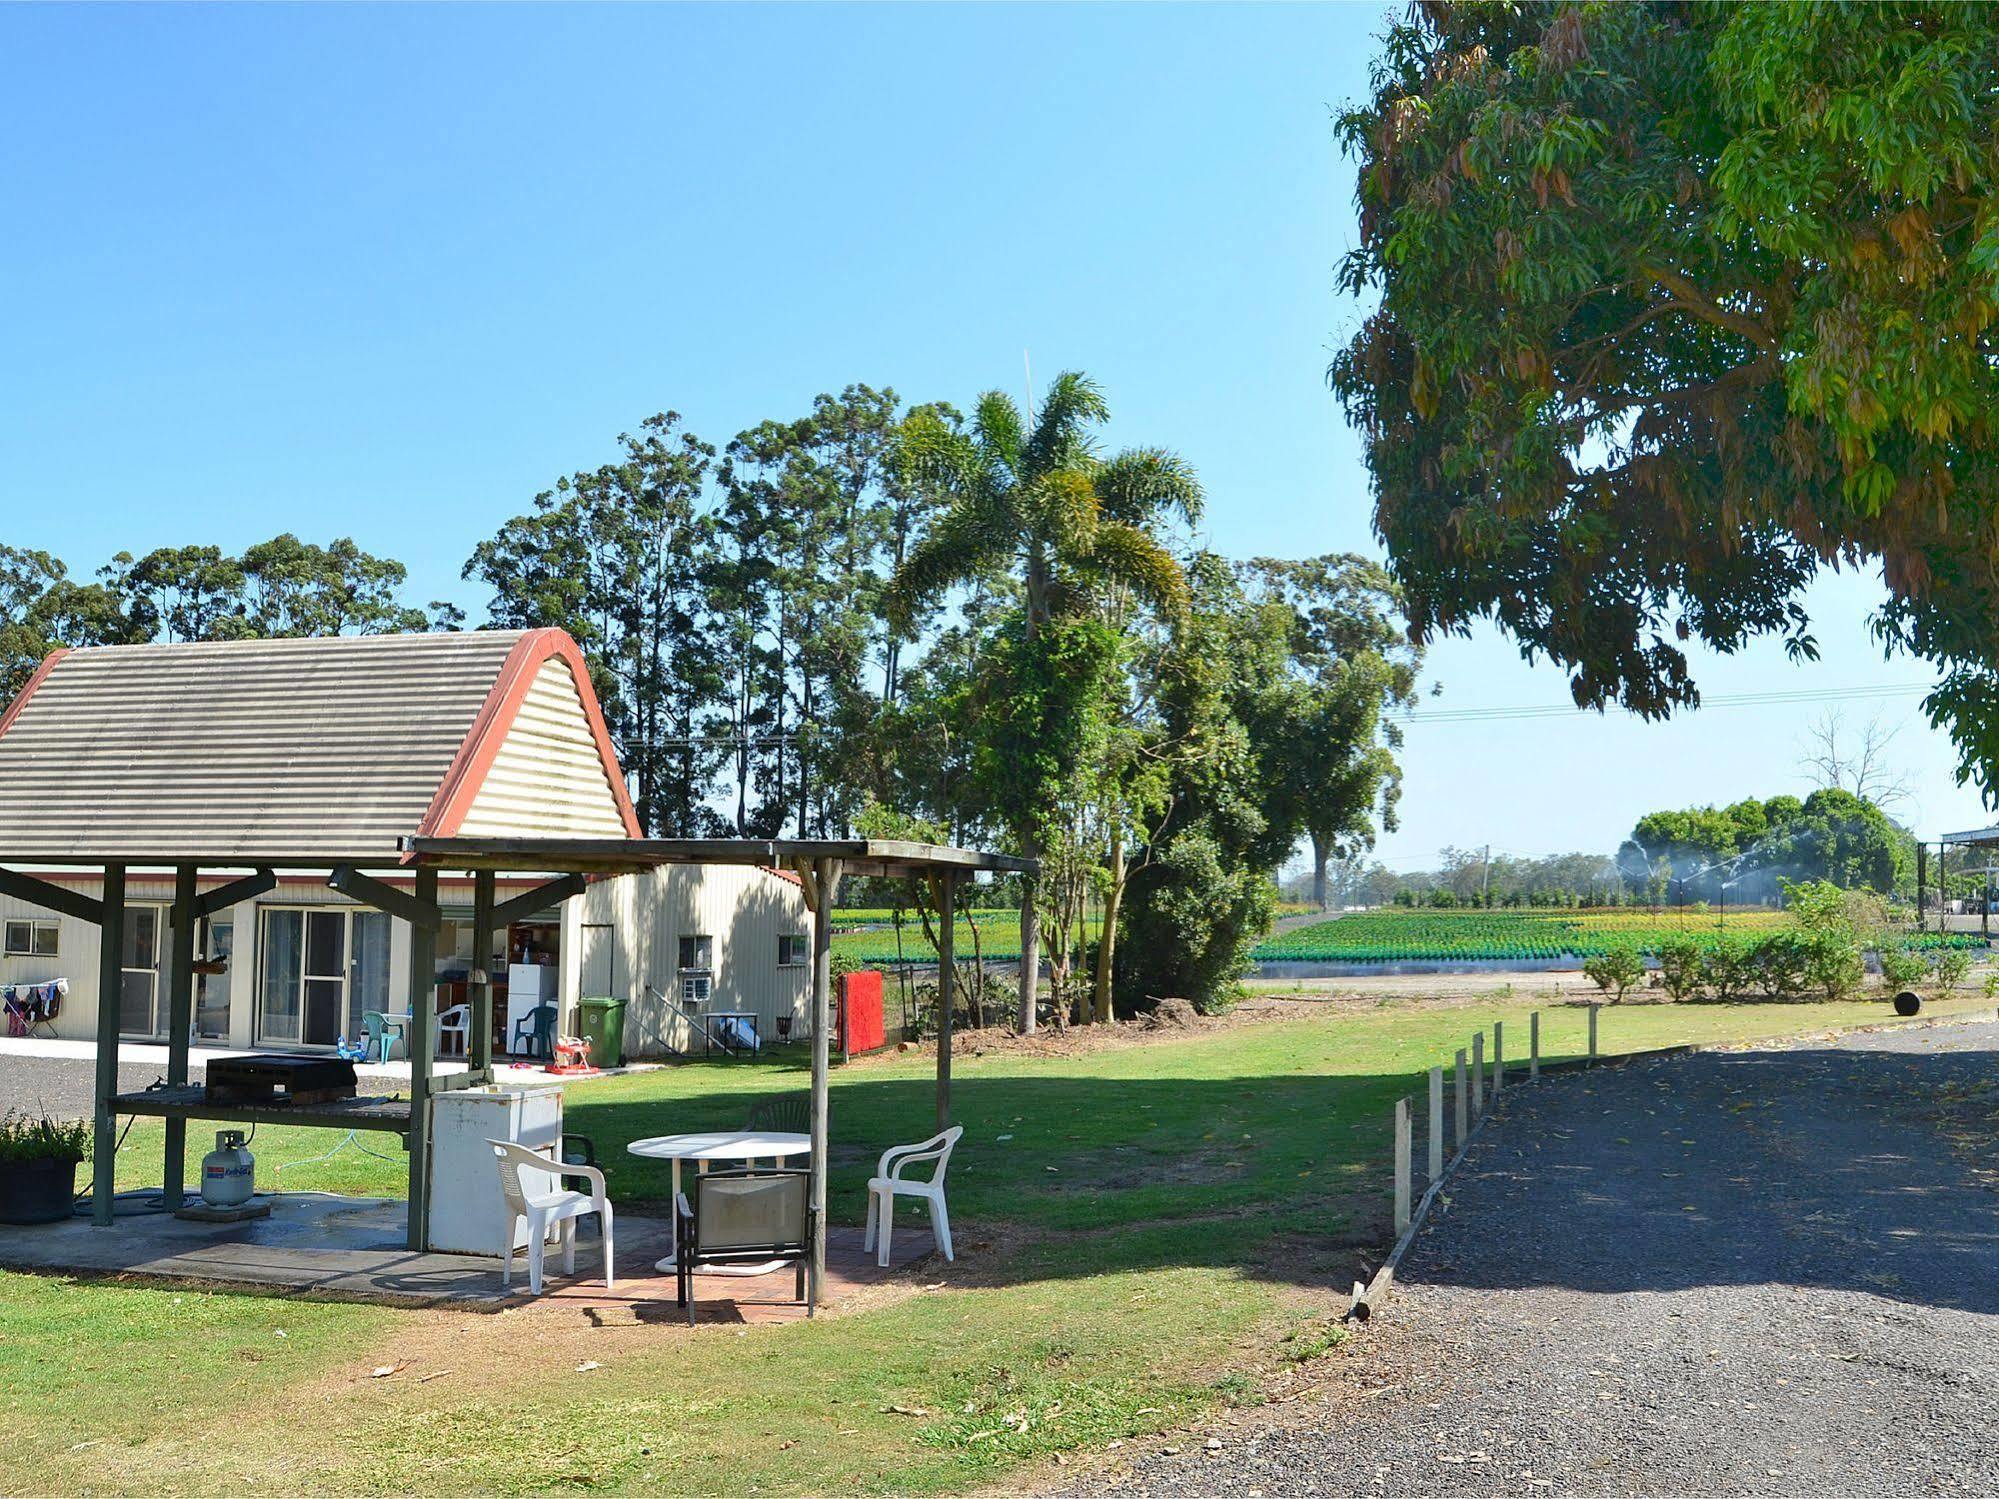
603 1025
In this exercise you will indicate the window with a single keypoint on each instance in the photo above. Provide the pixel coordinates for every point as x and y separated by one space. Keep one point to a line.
793 951
697 954
32 939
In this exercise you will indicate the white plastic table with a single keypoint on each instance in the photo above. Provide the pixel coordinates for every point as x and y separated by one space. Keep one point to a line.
718 1145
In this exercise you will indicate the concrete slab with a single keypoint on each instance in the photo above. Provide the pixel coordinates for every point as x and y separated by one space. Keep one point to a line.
351 1248
312 1243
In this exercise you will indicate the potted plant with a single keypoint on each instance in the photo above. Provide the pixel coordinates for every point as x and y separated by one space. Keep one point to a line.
38 1161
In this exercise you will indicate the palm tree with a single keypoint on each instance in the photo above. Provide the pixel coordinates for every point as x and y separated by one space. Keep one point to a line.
1032 498
1037 501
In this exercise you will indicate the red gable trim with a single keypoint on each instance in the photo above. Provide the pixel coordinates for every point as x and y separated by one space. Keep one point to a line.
496 717
35 679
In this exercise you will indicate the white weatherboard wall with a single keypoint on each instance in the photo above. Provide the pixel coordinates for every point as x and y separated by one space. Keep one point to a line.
548 778
745 910
76 956
642 917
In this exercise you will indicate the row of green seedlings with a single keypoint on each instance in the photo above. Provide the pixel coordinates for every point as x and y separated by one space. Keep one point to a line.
1779 965
1473 1086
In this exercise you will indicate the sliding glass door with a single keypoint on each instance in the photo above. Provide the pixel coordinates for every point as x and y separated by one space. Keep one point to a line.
321 968
140 1010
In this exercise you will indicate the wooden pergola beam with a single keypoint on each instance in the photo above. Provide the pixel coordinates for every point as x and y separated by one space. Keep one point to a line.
823 889
423 1025
51 897
479 1050
528 902
180 1020
419 910
110 997
944 886
222 897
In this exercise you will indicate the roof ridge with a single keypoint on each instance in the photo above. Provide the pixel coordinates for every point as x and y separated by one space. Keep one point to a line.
321 642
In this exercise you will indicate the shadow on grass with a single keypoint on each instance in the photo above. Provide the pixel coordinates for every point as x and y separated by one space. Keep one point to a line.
1282 1178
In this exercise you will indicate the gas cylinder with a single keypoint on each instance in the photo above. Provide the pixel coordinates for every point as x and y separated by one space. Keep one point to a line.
228 1172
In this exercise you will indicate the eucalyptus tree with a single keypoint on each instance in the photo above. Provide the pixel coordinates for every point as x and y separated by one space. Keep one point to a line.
184 593
619 556
1032 500
42 608
1329 738
293 588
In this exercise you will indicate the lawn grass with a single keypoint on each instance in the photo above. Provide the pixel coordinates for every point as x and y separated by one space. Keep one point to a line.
1148 1228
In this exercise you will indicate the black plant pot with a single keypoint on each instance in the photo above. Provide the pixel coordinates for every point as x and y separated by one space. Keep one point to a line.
41 1191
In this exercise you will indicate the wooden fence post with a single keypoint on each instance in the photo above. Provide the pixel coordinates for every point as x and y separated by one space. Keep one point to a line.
1463 1123
1498 1055
1401 1166
1478 1074
1534 1046
1592 1032
1436 1136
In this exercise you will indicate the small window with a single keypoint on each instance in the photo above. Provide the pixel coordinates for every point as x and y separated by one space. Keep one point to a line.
697 954
695 989
793 951
32 939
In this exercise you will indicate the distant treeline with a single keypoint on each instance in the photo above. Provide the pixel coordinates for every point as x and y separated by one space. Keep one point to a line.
1736 854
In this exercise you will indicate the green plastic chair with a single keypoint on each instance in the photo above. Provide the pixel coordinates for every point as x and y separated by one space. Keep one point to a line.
381 1035
538 1027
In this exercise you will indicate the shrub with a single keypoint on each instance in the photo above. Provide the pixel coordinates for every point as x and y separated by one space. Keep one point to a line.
1901 968
25 1138
1825 914
1833 965
1780 964
1952 966
1728 967
1615 969
1680 966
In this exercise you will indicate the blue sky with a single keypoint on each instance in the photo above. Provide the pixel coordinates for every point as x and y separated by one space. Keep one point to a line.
387 272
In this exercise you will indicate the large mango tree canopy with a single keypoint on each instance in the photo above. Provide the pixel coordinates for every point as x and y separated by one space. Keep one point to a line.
1678 305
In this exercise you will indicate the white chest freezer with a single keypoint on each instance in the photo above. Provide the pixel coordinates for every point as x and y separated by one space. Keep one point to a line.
468 1214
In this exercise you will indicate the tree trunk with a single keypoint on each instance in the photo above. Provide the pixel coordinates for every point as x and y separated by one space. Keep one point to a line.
1030 950
977 988
1319 872
1107 940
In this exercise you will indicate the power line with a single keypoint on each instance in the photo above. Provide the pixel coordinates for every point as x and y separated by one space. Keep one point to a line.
1878 693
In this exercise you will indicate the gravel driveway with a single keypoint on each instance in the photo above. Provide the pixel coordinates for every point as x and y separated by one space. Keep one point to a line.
66 1086
1770 1271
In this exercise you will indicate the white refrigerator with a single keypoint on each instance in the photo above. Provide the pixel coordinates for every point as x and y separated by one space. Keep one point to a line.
528 985
468 1214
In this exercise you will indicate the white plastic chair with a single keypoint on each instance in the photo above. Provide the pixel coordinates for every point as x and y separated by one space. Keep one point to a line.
888 1183
531 1184
456 1021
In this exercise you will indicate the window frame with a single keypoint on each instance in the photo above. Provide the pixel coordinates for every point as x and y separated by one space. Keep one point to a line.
800 945
681 964
33 927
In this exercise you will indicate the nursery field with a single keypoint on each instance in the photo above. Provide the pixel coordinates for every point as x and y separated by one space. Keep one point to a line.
1394 936
869 936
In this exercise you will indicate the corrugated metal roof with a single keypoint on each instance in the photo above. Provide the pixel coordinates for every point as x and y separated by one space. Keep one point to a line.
240 751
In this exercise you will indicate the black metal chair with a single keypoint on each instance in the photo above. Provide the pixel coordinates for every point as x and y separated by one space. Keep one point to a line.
745 1218
790 1114
578 1150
